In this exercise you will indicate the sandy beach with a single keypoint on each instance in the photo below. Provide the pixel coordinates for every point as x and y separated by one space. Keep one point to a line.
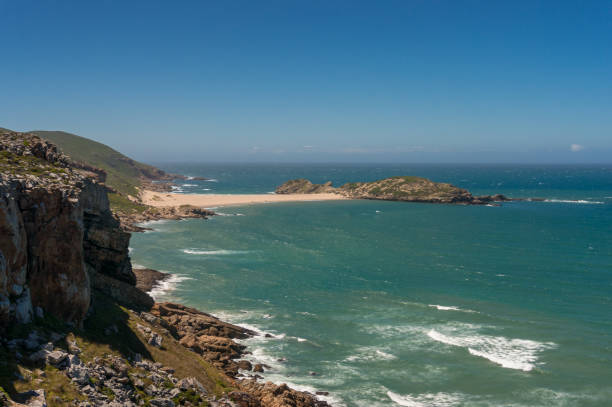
164 199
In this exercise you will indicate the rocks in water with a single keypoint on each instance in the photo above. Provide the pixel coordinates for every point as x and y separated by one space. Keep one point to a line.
146 279
272 395
245 365
128 220
258 368
204 334
185 320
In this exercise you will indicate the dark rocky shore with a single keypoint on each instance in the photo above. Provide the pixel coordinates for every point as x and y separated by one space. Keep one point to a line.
77 327
147 279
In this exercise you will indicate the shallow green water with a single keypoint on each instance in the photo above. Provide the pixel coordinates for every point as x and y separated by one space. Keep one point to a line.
411 304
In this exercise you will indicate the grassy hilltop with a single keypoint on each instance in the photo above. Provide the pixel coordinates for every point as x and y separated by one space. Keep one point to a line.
123 174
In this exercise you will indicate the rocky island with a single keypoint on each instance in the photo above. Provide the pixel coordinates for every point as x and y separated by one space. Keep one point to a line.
398 188
75 328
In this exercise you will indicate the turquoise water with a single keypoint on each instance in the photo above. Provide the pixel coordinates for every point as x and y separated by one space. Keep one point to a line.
409 304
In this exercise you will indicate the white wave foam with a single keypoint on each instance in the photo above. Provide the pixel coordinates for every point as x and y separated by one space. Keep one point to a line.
150 224
520 354
212 252
211 180
165 286
370 353
450 308
137 266
426 399
574 201
189 185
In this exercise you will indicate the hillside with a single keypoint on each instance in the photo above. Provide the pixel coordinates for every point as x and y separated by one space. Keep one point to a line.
123 174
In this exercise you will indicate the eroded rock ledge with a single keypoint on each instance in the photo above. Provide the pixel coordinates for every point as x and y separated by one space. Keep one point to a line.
400 188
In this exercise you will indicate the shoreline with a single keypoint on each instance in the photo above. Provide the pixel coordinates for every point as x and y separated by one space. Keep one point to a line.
225 345
160 200
242 365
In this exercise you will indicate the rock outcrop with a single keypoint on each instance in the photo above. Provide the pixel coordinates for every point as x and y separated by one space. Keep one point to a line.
215 341
147 279
57 233
400 188
129 220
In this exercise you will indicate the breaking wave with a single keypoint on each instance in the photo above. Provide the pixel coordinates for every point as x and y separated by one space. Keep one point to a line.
520 354
426 400
574 201
220 252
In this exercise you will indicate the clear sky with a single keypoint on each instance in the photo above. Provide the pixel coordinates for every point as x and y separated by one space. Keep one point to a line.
426 80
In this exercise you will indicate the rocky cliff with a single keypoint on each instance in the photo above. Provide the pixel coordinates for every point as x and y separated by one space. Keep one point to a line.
400 188
58 237
64 254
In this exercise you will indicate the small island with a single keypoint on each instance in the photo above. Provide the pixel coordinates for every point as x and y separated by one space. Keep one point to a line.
398 188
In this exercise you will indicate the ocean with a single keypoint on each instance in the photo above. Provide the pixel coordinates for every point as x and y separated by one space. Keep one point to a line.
407 304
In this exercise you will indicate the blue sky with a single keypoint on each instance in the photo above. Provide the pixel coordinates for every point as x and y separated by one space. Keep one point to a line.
412 81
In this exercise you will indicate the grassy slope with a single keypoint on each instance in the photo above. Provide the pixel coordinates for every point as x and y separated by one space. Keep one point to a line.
123 173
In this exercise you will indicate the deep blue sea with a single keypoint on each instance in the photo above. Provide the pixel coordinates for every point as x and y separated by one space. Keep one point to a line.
406 304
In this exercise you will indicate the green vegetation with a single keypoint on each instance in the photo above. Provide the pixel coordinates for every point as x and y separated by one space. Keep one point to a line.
123 173
27 165
121 204
191 397
409 179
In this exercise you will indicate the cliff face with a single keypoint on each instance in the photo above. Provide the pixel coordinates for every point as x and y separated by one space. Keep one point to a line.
57 233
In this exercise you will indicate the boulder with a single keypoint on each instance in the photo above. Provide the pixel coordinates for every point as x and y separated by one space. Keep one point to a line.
56 357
